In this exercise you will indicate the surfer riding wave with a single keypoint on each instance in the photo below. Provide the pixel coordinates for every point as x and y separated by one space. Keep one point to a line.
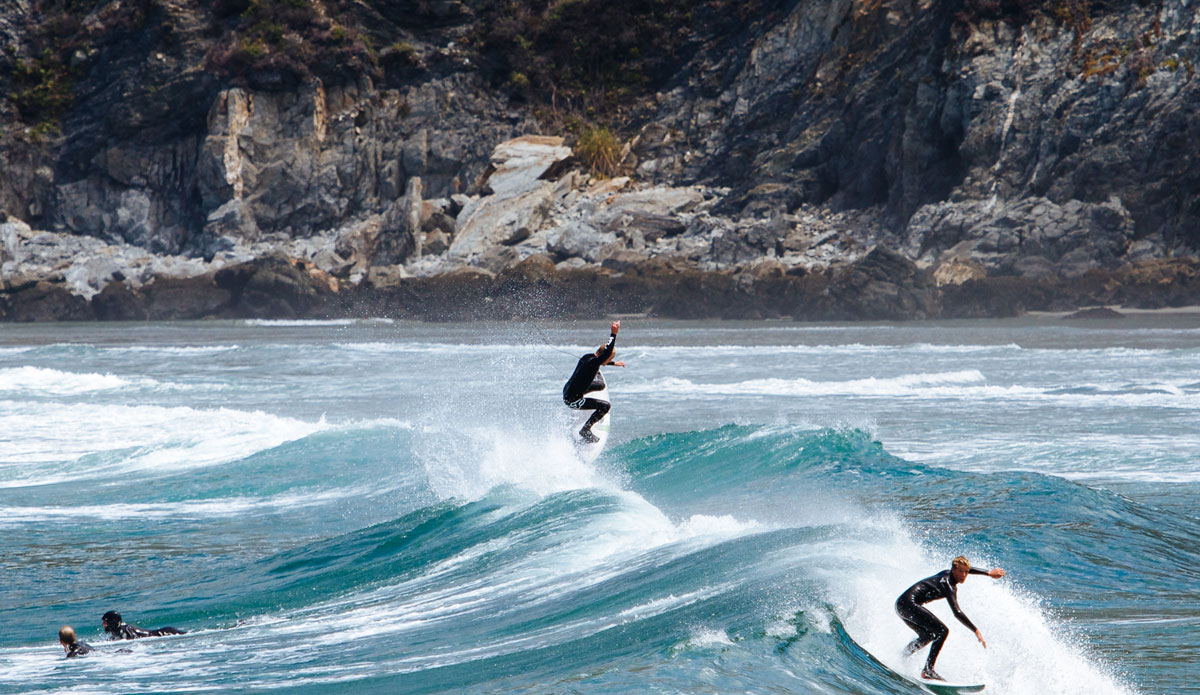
911 609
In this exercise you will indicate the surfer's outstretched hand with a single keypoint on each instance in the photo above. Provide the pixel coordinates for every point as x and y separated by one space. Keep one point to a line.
979 636
996 573
617 364
616 326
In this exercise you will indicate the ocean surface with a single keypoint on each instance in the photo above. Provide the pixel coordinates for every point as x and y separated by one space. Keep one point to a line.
377 506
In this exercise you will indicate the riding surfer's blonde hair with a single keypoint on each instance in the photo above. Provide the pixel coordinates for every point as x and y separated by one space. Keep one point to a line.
960 561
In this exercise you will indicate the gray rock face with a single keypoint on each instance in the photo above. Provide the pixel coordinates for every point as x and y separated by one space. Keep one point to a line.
902 105
971 141
1032 237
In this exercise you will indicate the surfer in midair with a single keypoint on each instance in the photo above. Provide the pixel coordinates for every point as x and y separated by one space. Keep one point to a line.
588 379
944 584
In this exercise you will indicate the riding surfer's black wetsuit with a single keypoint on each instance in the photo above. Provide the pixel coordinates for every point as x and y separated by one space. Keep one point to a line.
910 608
587 379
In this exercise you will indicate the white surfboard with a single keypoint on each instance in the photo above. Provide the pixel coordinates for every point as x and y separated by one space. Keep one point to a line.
945 687
935 687
589 451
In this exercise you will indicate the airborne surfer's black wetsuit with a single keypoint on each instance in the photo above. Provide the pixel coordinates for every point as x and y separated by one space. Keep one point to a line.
587 379
910 608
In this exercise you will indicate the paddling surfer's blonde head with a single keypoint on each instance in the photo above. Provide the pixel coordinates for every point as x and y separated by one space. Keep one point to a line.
66 634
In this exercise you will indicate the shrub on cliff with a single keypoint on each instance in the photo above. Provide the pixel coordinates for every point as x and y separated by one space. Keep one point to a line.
275 44
600 151
58 50
595 56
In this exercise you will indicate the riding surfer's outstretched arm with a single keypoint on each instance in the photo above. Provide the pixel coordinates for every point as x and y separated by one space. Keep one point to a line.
994 573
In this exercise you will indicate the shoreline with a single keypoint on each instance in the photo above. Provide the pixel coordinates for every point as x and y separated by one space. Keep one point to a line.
1188 310
881 287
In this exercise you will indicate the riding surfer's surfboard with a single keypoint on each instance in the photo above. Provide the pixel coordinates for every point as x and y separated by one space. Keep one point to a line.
945 688
935 687
589 451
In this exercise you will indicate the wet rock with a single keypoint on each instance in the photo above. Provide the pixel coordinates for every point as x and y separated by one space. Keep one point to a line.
170 298
884 285
270 287
46 301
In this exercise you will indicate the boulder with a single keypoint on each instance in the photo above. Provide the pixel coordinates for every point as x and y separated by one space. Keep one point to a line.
519 165
956 271
495 220
119 302
578 240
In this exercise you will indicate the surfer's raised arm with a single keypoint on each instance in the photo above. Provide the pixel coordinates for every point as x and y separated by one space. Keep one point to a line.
944 584
616 326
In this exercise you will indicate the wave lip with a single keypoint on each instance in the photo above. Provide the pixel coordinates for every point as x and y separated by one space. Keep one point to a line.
54 382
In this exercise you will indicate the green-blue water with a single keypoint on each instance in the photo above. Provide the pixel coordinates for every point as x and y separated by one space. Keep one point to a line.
391 507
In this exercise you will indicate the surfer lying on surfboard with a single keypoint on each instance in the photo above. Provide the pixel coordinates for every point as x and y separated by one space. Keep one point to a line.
944 584
587 379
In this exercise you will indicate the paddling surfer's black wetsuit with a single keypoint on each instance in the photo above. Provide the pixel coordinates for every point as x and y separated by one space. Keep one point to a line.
127 631
79 649
910 608
587 379
119 629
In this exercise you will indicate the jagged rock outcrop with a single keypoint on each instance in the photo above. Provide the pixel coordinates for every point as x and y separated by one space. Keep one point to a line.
878 158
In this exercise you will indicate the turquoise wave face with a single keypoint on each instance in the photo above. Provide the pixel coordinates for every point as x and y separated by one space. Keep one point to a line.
742 557
346 508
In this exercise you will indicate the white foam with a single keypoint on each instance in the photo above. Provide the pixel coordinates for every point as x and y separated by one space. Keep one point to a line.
54 382
194 509
707 638
186 350
108 440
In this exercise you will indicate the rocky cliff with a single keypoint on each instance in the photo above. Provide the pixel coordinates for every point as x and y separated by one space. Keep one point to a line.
446 159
